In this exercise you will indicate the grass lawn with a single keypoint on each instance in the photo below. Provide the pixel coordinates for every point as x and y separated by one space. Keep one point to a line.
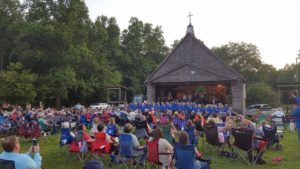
54 158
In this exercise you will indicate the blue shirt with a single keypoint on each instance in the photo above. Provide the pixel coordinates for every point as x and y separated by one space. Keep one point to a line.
23 161
296 115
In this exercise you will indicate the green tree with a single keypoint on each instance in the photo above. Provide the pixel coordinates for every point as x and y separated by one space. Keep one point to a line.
10 14
60 81
17 85
261 93
143 49
245 58
287 74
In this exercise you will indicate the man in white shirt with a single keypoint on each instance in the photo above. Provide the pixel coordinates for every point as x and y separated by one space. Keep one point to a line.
278 115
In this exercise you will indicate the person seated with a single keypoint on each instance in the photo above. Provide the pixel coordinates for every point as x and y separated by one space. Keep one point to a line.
184 139
163 118
224 128
94 126
12 147
141 126
241 120
214 117
259 145
103 139
105 116
43 124
163 147
82 135
260 131
112 128
190 129
137 149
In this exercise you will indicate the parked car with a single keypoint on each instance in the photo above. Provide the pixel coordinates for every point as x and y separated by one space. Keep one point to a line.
264 108
99 106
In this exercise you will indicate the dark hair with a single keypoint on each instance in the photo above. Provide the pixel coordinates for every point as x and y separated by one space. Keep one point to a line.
80 127
157 133
9 143
223 118
100 126
127 128
183 138
215 115
211 123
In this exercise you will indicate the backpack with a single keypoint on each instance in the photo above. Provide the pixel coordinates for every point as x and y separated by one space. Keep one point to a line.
111 130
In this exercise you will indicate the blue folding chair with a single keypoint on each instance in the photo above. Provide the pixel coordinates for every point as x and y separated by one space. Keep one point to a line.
191 133
7 164
125 150
185 156
65 137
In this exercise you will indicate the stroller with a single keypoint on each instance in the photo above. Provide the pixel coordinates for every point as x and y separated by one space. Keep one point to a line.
279 123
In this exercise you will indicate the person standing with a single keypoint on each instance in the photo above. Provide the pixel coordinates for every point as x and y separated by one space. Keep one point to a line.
296 114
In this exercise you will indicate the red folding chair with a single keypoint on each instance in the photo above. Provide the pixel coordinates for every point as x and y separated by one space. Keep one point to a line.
153 154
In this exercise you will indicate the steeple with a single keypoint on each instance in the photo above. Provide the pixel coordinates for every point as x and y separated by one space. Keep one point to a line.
190 28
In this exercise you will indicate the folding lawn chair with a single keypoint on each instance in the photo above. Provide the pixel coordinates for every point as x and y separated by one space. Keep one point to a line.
78 149
7 164
185 157
125 151
153 154
23 130
271 136
243 141
212 139
101 148
191 132
65 137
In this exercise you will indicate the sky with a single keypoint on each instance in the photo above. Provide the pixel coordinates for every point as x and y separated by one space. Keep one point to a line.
272 25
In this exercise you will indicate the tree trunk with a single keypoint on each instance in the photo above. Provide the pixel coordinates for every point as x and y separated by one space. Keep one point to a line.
58 102
1 61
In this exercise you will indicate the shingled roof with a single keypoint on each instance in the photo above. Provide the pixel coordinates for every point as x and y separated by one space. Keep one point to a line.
192 61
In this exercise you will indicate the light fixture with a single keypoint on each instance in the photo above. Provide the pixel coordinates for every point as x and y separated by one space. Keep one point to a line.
193 72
